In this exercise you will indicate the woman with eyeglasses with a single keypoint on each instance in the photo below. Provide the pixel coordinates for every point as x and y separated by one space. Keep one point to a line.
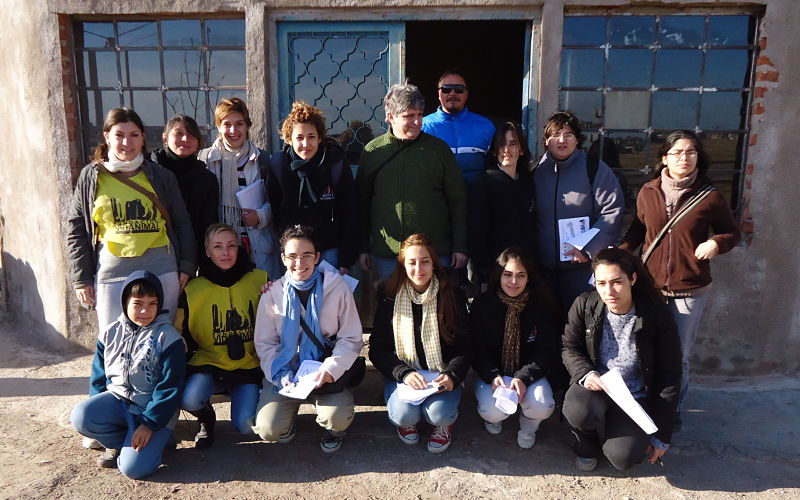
308 314
679 260
572 194
501 206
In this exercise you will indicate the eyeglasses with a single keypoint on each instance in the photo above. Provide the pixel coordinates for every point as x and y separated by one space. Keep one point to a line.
460 89
306 257
690 153
567 137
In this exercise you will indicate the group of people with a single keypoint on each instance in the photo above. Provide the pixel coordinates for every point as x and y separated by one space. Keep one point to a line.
204 268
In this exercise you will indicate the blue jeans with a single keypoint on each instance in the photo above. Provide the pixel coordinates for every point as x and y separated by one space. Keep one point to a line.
438 409
108 419
244 398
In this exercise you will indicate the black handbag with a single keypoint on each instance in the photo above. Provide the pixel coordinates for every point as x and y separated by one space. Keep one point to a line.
351 378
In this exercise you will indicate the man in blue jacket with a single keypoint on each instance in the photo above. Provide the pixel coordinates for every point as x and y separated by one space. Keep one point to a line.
468 134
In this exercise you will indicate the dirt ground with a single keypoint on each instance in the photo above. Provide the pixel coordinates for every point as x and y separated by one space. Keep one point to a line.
739 441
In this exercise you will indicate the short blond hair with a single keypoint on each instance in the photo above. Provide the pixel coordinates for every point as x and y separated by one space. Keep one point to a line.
231 105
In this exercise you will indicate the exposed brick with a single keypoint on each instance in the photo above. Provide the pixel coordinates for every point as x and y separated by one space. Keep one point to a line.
764 60
747 227
762 43
767 76
759 92
753 140
758 109
749 169
748 183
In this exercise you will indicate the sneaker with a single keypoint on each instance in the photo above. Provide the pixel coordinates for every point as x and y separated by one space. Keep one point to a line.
494 428
440 439
585 464
526 440
330 442
108 460
408 434
91 444
289 435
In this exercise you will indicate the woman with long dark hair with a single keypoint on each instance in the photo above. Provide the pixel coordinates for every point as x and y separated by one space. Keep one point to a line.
623 325
420 329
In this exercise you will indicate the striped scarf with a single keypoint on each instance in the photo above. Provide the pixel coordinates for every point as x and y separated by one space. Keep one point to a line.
231 180
511 341
403 326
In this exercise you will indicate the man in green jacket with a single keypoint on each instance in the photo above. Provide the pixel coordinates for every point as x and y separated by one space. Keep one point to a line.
409 182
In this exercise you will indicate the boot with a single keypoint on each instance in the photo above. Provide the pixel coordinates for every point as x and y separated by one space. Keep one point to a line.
207 419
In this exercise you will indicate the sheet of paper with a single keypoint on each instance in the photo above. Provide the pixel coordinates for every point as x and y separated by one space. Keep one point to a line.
352 283
303 380
568 229
618 391
505 399
581 240
417 396
252 196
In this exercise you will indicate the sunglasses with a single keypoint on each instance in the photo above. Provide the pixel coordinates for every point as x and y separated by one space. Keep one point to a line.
460 89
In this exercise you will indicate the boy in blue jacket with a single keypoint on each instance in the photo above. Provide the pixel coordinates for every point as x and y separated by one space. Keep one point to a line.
136 383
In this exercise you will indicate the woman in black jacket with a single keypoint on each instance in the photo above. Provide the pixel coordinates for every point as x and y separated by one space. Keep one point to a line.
623 325
420 341
513 327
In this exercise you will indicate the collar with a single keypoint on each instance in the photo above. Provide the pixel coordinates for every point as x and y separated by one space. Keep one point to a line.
461 115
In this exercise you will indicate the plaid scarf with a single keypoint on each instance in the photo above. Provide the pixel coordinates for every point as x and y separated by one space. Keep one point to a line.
511 342
403 326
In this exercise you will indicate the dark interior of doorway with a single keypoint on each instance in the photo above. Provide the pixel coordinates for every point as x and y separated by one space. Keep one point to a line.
489 52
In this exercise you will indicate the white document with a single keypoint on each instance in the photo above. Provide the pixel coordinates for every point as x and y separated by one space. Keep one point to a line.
417 396
568 229
506 399
303 380
252 196
352 283
618 391
583 239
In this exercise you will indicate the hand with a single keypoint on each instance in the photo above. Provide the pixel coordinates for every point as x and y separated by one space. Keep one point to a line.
577 256
415 381
498 382
344 270
519 387
249 217
365 261
445 382
458 260
265 287
86 296
654 453
321 378
706 250
593 382
141 436
183 278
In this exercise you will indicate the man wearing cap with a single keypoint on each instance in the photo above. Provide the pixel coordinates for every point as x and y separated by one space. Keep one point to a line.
468 134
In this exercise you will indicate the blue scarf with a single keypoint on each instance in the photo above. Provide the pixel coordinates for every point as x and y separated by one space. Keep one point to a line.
287 361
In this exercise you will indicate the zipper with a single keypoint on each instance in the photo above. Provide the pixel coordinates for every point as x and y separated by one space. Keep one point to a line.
555 214
127 365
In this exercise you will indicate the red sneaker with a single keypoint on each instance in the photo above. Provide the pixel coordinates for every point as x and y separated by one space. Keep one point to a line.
440 439
408 434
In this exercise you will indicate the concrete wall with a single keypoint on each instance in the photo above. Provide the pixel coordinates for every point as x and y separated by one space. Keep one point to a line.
750 326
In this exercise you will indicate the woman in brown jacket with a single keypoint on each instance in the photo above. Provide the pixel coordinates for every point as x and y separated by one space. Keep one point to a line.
679 262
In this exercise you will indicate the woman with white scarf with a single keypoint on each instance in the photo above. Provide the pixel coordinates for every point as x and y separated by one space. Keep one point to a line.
237 164
420 331
306 301
127 213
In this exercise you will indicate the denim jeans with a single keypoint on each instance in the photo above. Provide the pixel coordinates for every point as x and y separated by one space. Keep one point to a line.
438 409
244 398
108 419
687 312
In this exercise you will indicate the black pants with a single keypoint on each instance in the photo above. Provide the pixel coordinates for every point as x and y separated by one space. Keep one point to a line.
592 414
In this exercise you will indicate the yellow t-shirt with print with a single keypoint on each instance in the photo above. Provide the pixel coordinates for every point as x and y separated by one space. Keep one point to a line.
128 223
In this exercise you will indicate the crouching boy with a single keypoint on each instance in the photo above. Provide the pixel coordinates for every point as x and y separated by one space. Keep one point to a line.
136 383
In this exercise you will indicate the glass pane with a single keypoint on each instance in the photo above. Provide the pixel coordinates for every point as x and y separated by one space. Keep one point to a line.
98 103
95 34
631 30
140 69
582 68
721 149
722 110
729 30
625 150
226 67
681 30
726 68
678 68
629 67
674 110
727 183
627 109
183 68
100 69
580 30
587 106
188 102
225 32
138 34
182 33
148 105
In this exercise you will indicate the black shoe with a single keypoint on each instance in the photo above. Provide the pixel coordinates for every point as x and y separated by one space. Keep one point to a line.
208 420
676 426
108 460
329 442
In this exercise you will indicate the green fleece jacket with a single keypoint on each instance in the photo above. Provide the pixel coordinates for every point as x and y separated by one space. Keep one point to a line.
420 190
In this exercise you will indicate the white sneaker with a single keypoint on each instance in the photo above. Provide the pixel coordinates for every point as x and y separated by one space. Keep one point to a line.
494 428
91 444
526 440
586 464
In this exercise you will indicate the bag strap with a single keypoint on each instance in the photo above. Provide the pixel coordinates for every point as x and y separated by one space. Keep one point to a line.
326 349
695 200
152 197
385 162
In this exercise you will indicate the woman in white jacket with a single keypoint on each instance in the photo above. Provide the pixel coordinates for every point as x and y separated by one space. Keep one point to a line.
323 301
